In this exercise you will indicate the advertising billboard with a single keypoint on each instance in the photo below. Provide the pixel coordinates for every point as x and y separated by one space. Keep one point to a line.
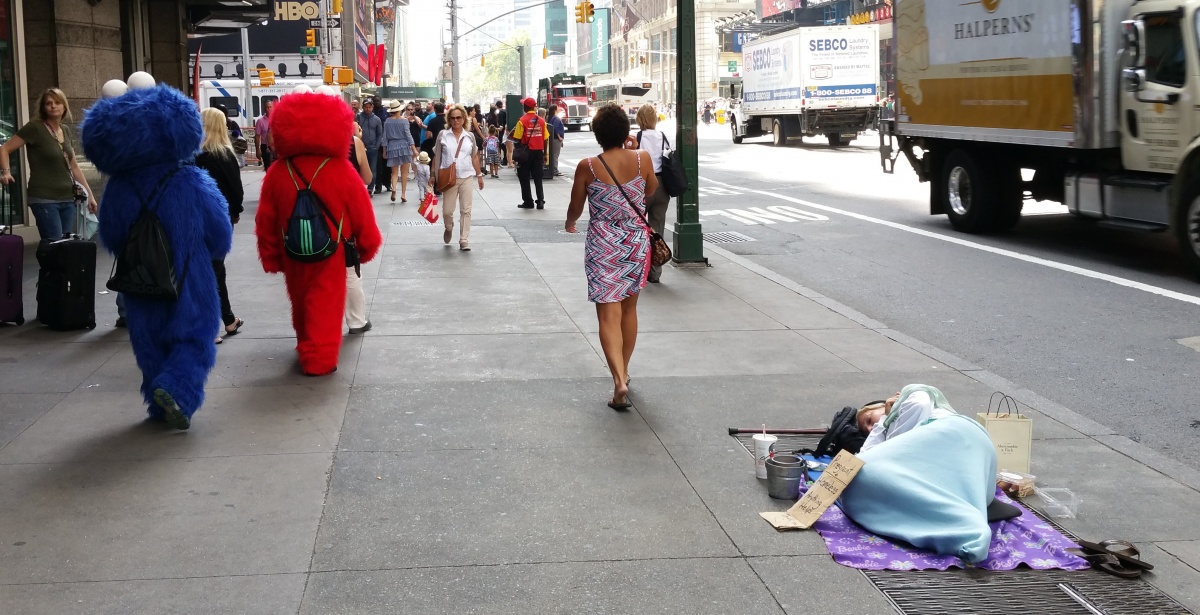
987 64
364 16
600 33
770 8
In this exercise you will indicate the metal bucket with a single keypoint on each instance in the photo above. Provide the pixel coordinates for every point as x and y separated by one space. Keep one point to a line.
785 474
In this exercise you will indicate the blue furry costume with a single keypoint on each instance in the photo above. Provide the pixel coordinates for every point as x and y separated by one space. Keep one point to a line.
137 139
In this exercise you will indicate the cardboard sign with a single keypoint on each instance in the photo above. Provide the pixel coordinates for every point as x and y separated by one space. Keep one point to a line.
820 496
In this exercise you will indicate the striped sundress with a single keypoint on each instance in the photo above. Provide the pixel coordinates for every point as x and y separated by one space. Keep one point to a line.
616 253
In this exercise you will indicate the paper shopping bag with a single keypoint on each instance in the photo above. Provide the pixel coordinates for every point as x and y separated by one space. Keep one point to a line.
1011 433
428 209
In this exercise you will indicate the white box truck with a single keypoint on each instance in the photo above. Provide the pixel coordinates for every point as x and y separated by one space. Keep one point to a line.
1100 99
807 82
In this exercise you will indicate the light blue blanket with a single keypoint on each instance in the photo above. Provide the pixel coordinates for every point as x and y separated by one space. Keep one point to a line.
929 487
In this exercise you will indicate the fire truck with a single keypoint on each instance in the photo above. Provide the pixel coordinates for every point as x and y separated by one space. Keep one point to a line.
570 93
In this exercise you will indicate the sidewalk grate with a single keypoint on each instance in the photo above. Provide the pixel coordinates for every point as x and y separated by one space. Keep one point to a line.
411 223
977 592
727 237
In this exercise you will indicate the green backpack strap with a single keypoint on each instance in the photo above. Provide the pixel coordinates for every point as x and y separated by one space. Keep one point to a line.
293 172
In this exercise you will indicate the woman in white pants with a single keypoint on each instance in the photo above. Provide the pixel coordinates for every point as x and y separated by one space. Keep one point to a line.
356 301
456 145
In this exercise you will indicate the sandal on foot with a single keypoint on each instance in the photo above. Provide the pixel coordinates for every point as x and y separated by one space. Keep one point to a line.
172 413
237 325
219 340
625 405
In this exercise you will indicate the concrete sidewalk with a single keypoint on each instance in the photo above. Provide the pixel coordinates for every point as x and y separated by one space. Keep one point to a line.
462 459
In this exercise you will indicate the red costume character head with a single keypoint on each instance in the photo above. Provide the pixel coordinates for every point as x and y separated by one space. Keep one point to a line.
312 135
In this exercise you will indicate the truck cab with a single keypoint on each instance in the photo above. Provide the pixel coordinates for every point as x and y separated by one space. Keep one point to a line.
570 93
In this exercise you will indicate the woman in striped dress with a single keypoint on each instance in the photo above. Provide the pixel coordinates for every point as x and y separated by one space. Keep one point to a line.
617 248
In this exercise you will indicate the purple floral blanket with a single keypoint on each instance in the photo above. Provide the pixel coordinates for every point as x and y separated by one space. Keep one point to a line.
1025 540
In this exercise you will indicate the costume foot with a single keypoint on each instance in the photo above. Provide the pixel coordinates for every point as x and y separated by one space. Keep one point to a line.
120 324
172 413
314 374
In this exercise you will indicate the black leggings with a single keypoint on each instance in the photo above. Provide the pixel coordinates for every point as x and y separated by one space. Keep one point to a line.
223 292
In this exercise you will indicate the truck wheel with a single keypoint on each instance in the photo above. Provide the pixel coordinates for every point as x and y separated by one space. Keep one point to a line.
969 195
835 140
733 130
1187 226
778 134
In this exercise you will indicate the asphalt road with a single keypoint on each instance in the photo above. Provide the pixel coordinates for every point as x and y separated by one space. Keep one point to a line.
1085 316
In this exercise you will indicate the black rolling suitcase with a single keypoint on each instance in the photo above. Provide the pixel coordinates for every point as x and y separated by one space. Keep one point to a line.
66 291
12 264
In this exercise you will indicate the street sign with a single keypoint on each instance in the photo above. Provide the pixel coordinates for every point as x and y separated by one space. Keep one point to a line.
733 66
308 51
334 22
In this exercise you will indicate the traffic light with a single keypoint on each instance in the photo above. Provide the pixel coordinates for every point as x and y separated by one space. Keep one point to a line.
481 58
545 53
589 11
337 7
310 38
579 13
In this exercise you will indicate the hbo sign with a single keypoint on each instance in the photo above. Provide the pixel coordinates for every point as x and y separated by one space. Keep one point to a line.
293 11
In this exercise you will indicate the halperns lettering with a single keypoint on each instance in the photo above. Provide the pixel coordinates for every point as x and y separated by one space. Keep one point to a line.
828 44
1020 24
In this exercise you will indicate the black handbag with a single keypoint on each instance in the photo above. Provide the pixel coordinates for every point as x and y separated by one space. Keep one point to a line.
521 152
674 180
660 252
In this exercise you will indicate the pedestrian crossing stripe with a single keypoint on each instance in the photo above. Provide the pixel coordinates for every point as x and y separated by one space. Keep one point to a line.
769 215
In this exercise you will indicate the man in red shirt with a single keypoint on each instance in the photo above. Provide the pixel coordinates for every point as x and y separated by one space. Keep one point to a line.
532 131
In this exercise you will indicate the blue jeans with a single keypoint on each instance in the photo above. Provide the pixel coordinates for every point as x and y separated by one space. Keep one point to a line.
373 163
54 219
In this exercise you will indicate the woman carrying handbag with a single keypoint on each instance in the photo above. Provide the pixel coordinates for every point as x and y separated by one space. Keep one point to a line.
456 163
620 246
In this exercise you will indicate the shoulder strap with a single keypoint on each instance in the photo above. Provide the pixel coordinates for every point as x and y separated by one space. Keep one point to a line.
294 172
665 141
622 188
154 194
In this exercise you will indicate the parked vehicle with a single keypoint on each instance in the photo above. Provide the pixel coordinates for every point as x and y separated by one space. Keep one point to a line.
807 82
570 93
232 94
1104 115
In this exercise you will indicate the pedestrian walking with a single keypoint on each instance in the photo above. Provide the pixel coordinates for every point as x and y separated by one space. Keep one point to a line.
654 142
502 122
492 151
558 133
533 133
262 135
456 149
372 136
381 176
400 150
217 158
53 168
356 300
422 174
617 248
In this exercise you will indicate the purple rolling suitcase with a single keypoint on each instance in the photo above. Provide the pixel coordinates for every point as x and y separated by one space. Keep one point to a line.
12 263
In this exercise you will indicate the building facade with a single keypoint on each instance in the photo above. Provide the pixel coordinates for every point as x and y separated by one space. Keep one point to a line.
644 45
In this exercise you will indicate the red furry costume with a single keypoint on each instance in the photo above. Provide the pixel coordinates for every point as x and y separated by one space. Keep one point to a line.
308 128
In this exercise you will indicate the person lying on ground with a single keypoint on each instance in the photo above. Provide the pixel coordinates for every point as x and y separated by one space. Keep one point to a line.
899 414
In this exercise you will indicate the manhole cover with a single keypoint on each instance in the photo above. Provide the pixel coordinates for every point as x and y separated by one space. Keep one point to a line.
411 223
726 237
959 592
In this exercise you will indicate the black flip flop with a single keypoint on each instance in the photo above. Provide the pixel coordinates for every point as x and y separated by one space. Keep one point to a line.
238 326
621 406
1108 563
1123 550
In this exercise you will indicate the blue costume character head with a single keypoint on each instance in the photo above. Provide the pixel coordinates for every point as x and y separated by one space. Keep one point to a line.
141 128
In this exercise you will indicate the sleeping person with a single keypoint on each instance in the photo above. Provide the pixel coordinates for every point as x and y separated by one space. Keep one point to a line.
928 477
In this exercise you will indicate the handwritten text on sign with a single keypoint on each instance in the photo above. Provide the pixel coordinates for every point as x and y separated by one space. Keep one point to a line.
820 496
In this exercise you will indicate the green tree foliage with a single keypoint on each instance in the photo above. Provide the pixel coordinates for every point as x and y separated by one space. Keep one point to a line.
500 73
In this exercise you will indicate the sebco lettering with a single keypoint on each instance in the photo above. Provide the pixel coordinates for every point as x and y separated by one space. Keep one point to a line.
766 58
828 44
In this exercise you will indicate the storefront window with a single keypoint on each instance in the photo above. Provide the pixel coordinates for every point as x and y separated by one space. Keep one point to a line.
10 208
